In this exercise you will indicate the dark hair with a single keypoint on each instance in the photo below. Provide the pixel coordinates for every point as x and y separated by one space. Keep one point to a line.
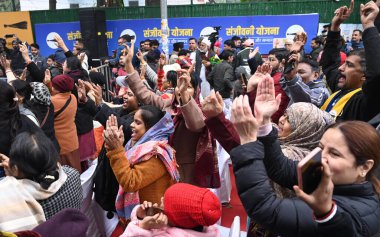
148 41
35 157
313 64
178 46
127 38
155 42
228 43
235 38
361 54
80 40
9 107
152 56
360 32
317 40
171 76
279 53
34 45
183 52
51 56
23 89
192 38
226 54
150 115
194 84
73 63
363 142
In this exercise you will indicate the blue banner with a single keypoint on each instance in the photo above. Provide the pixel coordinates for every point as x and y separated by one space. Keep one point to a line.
266 31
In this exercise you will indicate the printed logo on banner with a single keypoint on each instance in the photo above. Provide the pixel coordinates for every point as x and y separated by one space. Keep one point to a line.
50 41
128 32
266 31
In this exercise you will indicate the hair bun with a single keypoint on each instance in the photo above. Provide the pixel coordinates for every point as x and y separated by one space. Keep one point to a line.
47 178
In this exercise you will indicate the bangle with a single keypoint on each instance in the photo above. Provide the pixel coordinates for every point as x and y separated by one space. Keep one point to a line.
325 218
8 70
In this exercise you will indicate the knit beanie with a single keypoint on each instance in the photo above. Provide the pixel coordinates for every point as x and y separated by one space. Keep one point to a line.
188 206
63 83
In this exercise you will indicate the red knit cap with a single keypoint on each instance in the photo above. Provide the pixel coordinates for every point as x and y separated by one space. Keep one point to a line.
188 206
63 83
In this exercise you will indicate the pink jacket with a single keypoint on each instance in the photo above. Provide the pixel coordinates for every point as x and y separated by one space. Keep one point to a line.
134 230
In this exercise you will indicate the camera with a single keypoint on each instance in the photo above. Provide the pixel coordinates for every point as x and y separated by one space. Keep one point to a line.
214 36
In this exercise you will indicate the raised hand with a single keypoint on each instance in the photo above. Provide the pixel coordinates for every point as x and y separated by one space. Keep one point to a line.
98 92
25 52
60 43
47 78
113 136
23 74
128 58
245 123
368 14
321 199
183 83
258 76
253 53
340 15
162 60
266 103
82 95
212 105
6 64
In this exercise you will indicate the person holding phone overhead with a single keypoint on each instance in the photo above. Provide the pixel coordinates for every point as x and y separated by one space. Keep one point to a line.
346 201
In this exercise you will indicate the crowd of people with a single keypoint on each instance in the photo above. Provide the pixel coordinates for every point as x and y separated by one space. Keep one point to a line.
162 146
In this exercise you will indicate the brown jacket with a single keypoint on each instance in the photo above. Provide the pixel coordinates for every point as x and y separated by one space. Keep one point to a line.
64 124
150 177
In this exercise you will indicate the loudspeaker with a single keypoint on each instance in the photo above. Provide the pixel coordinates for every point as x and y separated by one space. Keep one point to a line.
93 30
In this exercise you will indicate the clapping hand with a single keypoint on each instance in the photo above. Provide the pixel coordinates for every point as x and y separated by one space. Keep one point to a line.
245 123
5 63
261 72
321 199
212 105
47 78
266 103
82 95
113 135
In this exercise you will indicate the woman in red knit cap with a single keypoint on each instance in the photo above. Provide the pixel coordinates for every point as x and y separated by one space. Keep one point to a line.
187 210
65 108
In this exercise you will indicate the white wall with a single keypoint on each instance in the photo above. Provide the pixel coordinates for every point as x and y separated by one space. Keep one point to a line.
30 5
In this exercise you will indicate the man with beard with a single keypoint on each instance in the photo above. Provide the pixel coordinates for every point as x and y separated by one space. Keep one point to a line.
204 66
359 76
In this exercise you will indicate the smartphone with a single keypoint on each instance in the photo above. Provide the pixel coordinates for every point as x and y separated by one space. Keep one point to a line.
289 66
309 171
151 211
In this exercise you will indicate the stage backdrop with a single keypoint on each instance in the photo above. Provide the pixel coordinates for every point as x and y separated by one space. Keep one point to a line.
266 31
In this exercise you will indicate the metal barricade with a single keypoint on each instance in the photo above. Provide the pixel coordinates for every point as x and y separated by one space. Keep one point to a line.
107 72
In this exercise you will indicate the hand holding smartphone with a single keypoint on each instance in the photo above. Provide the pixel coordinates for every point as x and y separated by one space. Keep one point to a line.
309 171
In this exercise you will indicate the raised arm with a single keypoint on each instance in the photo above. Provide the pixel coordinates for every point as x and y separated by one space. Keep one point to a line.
330 60
221 128
137 86
371 39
